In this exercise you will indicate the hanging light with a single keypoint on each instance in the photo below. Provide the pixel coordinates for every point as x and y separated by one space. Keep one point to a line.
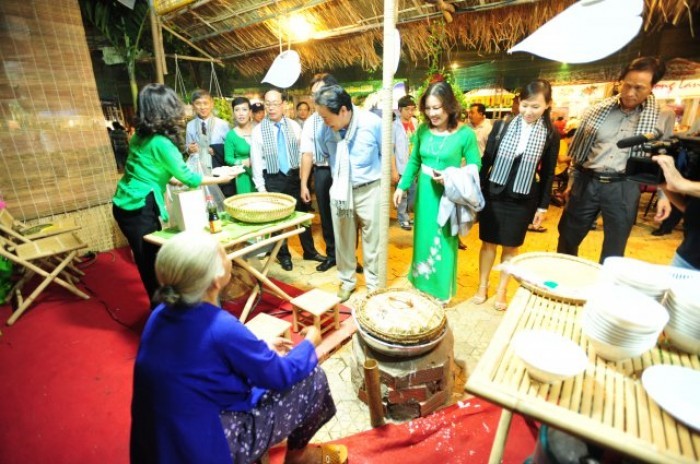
299 28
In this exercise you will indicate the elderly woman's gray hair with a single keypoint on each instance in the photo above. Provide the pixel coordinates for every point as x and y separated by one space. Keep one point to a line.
333 97
186 266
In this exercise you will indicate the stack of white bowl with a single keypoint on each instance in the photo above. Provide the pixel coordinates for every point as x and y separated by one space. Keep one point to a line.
649 279
622 323
683 303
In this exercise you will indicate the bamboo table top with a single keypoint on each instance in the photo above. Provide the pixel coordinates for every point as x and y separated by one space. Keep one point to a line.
606 404
234 233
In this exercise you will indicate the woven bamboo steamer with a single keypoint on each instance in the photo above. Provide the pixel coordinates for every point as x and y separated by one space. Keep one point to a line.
571 272
260 207
402 299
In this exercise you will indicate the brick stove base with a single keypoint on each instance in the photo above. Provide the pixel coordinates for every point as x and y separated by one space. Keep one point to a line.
411 387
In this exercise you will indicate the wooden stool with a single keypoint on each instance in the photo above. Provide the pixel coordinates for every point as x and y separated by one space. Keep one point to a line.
317 308
267 327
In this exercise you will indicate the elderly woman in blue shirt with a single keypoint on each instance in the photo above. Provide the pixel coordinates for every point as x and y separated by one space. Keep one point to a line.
205 388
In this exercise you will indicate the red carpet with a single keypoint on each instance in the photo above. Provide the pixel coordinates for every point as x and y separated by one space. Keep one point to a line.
65 387
462 433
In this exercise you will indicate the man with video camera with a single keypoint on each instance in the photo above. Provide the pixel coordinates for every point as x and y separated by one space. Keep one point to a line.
598 182
685 195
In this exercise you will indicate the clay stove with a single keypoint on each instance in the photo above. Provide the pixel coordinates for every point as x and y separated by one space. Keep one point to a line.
411 387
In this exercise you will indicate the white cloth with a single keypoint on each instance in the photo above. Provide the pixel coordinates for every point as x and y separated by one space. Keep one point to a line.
461 200
341 190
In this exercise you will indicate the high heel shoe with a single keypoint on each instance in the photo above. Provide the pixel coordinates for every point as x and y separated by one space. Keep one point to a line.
477 300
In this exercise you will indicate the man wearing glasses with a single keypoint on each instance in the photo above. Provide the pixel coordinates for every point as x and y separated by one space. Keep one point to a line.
274 159
597 183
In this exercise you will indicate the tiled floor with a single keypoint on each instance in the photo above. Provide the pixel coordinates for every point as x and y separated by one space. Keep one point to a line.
472 325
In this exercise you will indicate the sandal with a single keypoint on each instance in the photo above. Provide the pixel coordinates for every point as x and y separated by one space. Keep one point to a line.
477 300
533 228
334 454
500 305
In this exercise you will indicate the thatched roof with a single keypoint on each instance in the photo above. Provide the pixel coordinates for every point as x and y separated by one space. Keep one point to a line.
246 33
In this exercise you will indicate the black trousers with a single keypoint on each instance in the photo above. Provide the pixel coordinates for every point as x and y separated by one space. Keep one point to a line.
291 185
617 201
322 183
134 225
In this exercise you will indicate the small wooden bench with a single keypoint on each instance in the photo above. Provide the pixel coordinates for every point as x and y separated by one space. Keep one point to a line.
318 308
267 327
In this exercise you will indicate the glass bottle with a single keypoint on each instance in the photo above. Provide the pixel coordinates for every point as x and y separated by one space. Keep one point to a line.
214 219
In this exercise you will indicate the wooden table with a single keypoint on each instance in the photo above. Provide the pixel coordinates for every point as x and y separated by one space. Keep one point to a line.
248 238
606 404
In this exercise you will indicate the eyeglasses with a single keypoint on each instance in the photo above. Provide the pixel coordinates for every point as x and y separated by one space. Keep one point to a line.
273 104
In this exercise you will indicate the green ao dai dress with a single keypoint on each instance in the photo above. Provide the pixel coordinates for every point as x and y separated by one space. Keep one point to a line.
434 264
237 150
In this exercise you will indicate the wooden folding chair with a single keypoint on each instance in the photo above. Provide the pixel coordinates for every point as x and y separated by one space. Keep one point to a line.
24 232
48 257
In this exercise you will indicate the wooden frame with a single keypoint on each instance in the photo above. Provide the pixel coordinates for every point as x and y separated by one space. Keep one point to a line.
239 247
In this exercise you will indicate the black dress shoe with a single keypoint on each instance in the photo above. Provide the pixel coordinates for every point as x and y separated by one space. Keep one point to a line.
317 257
286 263
359 269
659 232
327 264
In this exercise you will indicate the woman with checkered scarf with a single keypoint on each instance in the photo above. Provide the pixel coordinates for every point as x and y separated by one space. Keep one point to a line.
517 172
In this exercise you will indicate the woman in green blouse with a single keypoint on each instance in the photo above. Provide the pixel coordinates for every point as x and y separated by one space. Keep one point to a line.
440 143
155 157
237 144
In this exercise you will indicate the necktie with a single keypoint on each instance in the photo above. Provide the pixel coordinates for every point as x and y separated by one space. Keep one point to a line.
282 149
204 128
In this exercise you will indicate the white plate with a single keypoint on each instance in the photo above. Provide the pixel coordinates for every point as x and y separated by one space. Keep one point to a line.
675 389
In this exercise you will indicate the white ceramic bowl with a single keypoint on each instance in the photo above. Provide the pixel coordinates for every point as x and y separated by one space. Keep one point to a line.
682 340
628 309
548 356
612 352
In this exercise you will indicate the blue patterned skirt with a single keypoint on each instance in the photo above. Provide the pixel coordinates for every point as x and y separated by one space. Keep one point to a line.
296 414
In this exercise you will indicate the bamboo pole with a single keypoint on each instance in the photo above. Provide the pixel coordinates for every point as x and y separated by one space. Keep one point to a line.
157 45
374 393
387 148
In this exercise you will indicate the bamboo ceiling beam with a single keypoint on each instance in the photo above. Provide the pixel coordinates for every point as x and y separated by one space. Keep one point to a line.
340 31
297 9
217 61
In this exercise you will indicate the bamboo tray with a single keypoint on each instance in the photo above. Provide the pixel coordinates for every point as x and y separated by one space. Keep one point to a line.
557 276
261 207
418 318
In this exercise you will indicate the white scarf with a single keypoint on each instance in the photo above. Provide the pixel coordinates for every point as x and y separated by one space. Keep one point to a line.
341 189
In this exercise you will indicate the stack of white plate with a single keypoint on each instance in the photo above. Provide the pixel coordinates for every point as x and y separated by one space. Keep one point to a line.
683 303
644 277
621 322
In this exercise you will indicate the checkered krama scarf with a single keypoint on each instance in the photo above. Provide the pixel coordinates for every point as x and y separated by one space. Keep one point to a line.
269 138
594 117
530 157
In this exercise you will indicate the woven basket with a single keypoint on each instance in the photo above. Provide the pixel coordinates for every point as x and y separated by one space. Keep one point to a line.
260 207
573 275
416 317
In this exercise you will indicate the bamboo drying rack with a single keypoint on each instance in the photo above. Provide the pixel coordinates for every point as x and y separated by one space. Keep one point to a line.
606 404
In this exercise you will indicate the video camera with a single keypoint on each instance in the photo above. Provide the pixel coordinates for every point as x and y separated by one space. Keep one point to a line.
685 149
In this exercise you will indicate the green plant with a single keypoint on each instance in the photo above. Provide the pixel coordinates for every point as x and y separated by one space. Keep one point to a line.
437 43
222 109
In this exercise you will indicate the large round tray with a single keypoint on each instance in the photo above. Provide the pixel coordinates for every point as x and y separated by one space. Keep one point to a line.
260 207
574 276
396 350
397 302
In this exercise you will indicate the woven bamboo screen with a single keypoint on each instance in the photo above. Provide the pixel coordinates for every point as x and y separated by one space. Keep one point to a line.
55 154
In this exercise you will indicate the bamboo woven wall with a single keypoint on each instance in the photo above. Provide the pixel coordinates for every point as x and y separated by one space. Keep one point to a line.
55 154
